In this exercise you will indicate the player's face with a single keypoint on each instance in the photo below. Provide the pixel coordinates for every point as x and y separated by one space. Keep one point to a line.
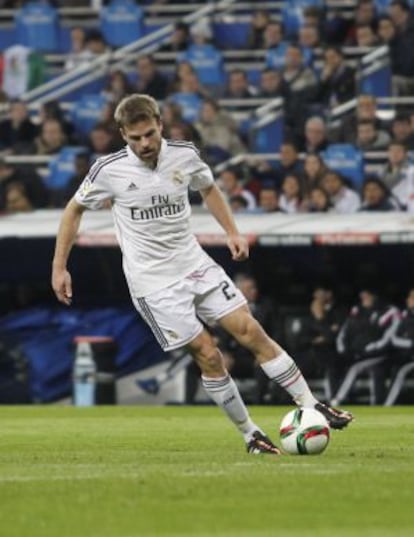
144 138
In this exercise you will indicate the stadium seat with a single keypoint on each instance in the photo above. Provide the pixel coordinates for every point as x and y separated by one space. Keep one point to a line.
346 160
207 61
62 168
376 80
266 133
121 22
190 104
232 35
86 112
292 14
37 27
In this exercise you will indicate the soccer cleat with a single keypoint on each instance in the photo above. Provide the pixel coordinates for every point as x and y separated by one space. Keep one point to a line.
260 443
150 385
337 419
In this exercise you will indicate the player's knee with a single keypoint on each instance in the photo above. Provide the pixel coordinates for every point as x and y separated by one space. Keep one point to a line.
207 356
250 332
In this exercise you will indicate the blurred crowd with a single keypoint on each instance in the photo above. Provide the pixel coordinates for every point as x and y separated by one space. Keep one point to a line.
299 180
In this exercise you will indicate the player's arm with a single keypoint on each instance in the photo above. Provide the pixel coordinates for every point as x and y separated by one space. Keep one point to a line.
68 229
219 208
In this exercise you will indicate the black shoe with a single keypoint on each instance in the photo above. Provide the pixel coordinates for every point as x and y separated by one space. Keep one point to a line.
337 419
260 443
150 385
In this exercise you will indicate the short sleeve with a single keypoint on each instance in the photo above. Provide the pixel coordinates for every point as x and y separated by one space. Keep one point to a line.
94 189
201 175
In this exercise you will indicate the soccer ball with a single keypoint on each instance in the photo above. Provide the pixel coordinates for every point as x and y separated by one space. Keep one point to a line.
304 431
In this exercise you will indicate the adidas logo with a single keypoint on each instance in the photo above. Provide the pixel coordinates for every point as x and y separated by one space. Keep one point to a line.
132 186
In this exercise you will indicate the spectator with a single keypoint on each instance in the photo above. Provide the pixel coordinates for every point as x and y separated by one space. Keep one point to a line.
343 199
117 87
365 14
101 141
32 182
238 87
150 80
301 81
337 83
316 335
396 166
367 332
401 47
79 55
402 132
53 110
313 170
318 201
18 129
309 37
386 30
189 97
179 40
291 196
271 84
17 199
375 196
289 162
275 45
218 133
184 131
231 186
238 203
95 45
403 191
366 109
269 199
107 120
260 20
50 140
369 138
204 57
315 135
365 36
170 113
82 165
403 338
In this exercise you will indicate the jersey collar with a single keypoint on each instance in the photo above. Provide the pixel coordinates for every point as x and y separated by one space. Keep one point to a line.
133 157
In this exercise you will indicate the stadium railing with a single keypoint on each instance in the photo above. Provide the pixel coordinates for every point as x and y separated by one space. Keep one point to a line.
64 84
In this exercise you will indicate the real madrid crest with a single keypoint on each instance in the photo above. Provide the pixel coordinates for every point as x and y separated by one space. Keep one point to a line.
178 177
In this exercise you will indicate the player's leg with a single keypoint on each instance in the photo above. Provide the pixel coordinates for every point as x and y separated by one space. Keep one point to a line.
223 391
277 364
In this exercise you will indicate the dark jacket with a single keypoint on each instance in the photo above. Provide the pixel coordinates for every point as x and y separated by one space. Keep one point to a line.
340 85
367 331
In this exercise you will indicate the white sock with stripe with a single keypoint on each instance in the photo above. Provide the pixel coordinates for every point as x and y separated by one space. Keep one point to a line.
224 392
286 373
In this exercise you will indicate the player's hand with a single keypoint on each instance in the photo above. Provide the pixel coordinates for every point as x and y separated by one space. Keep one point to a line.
62 286
239 247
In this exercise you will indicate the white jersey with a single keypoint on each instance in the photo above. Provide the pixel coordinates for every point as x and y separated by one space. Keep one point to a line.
151 212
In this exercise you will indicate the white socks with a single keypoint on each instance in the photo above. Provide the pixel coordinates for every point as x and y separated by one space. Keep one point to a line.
225 394
286 373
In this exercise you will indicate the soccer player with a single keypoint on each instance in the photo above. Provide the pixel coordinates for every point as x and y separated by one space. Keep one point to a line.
172 281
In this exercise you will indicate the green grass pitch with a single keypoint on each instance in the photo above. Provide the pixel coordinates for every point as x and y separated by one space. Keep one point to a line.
183 471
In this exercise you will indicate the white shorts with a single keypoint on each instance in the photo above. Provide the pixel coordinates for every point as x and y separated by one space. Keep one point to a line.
174 313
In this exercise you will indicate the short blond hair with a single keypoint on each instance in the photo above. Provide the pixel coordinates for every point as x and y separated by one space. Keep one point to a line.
135 108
